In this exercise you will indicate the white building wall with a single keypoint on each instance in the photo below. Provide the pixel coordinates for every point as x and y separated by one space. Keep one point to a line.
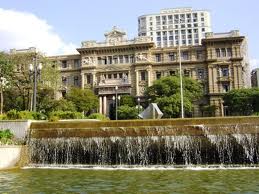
165 27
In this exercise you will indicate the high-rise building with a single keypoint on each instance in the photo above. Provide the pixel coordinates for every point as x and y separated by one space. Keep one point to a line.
170 26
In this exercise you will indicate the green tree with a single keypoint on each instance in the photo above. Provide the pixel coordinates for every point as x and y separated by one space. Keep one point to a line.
125 112
83 99
6 71
127 100
166 93
242 101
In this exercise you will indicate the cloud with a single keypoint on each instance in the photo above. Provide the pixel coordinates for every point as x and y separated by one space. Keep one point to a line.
23 30
254 63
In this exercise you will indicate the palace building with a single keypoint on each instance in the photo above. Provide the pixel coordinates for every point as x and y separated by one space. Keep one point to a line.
119 66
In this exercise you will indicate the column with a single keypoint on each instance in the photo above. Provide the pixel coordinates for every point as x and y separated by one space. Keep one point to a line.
100 105
210 78
137 80
149 78
82 80
94 79
104 105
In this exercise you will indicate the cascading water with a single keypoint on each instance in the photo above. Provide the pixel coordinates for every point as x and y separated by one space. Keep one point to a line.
225 144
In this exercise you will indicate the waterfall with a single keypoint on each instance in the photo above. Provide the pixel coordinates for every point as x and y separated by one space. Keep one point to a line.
165 145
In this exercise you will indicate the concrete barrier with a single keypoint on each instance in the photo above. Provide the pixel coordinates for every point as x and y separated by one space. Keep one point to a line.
10 156
18 128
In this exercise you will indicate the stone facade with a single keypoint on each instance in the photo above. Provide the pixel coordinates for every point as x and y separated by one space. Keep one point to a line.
119 66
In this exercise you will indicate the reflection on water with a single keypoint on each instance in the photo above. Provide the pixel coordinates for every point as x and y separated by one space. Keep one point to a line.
129 181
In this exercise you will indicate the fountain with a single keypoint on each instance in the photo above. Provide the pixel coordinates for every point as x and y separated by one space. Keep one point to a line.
178 142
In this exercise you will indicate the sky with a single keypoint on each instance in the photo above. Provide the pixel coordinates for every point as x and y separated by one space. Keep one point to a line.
59 26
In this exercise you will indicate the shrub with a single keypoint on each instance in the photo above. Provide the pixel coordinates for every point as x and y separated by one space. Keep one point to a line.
25 115
98 116
12 114
66 115
6 136
3 117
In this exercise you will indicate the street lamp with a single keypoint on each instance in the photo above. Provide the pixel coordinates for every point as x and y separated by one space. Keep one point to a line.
3 83
116 102
180 69
138 104
35 71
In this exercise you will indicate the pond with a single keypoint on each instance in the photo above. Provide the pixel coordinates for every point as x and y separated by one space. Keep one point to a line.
138 180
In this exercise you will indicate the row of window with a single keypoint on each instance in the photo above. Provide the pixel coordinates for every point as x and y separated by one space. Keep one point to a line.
76 63
223 52
65 80
186 73
116 59
172 56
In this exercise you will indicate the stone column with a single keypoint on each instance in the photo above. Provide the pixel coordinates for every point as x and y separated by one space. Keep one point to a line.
149 78
104 105
137 80
94 79
100 105
82 80
210 77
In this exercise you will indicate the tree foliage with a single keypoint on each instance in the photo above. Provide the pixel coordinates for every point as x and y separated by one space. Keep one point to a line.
83 99
127 100
242 101
125 112
166 93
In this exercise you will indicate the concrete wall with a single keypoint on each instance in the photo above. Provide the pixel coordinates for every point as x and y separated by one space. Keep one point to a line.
9 156
18 128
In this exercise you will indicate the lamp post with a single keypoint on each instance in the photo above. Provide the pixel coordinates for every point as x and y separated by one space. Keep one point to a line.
116 102
35 71
3 83
180 69
138 104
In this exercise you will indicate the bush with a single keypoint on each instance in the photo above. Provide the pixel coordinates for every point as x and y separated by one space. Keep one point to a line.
6 136
3 117
125 112
98 116
12 115
66 115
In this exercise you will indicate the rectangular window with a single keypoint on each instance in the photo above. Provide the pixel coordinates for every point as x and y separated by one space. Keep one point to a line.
132 59
225 87
121 58
224 71
186 73
109 59
172 73
185 55
223 52
158 75
199 55
109 76
158 57
172 56
64 80
115 76
76 81
120 75
99 59
64 64
88 79
142 75
200 73
115 59
76 63
126 57
218 52
229 52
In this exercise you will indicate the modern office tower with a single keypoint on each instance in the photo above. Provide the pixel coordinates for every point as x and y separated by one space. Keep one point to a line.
170 26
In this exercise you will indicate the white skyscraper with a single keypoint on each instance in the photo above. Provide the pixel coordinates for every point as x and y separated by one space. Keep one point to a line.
166 27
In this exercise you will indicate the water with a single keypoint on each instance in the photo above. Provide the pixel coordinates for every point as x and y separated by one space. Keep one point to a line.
130 181
147 150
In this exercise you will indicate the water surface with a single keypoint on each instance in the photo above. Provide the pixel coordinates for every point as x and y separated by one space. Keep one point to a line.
129 181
